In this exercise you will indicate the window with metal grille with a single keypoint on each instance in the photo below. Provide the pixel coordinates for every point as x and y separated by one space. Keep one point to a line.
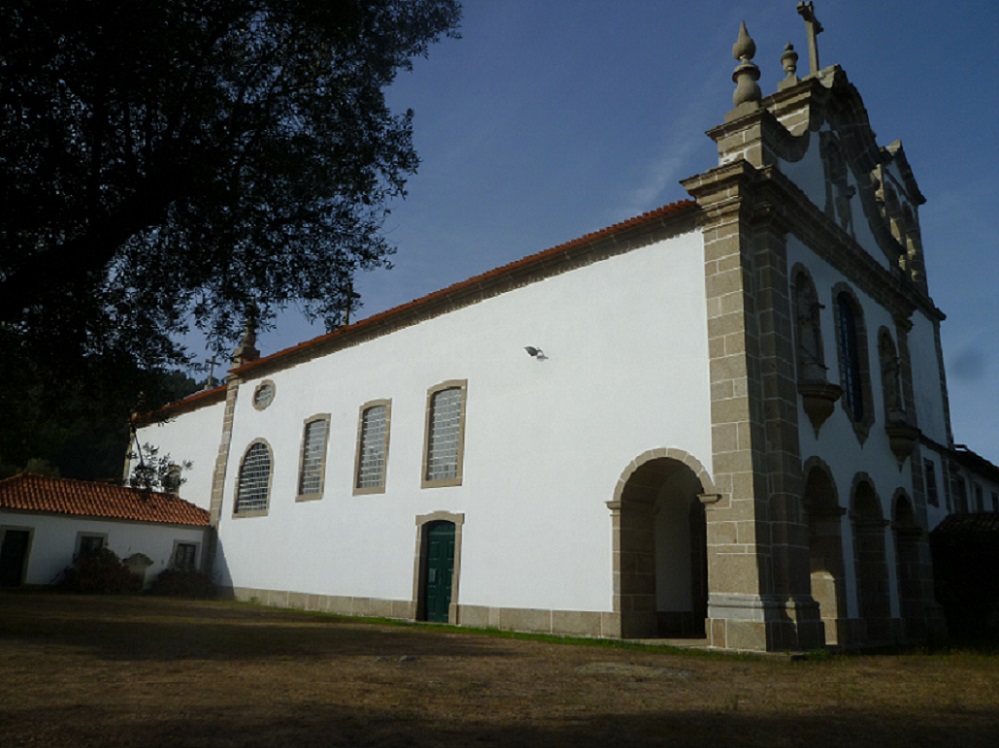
849 357
372 447
263 395
254 479
444 436
310 479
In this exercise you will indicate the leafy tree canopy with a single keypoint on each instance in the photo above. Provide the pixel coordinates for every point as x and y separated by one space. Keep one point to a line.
208 160
206 156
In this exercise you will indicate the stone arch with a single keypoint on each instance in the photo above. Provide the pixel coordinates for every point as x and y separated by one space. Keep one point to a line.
660 545
909 536
827 572
870 564
673 454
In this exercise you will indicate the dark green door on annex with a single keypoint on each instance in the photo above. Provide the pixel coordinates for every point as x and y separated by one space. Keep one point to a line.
440 569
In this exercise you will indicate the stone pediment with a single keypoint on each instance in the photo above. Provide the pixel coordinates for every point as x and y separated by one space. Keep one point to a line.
817 132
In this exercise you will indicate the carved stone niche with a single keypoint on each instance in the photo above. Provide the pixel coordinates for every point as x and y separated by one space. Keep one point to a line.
902 439
819 399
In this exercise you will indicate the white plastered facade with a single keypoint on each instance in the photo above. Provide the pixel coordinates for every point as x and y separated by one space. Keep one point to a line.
664 417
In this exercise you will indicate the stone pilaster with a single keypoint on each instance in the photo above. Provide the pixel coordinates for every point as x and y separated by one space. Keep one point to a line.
221 468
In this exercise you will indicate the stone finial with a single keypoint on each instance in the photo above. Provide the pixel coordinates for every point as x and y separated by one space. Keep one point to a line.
746 73
789 61
247 351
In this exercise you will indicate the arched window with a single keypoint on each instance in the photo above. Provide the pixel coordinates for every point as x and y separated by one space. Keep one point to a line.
254 488
442 459
849 357
854 369
313 458
372 447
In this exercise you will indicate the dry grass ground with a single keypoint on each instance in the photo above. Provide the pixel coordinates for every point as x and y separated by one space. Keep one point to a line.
89 671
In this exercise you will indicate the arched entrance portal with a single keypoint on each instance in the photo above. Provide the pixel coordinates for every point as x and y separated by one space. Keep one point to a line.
869 558
661 547
825 552
908 536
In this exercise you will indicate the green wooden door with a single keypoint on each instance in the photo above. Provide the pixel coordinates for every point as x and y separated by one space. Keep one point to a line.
439 570
13 555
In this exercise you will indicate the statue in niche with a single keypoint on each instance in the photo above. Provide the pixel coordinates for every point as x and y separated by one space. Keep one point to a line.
890 380
810 359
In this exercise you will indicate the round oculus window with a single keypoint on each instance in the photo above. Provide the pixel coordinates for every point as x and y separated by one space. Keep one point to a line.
263 395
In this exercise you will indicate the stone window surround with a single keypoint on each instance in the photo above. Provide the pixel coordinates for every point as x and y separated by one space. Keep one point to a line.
460 384
322 464
422 520
861 427
197 553
256 390
270 480
358 491
88 534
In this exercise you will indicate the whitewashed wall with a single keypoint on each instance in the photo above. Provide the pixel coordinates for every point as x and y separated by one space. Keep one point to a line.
193 437
545 442
54 541
809 174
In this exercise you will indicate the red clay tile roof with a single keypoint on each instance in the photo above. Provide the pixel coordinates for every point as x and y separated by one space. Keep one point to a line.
666 215
662 216
191 402
36 493
973 523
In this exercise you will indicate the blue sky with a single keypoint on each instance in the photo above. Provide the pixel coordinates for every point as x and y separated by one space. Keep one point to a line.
552 118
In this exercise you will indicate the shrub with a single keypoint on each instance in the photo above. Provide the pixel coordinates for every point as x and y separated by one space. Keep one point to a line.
177 583
99 572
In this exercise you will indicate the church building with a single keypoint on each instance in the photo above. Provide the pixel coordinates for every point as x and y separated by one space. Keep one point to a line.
725 419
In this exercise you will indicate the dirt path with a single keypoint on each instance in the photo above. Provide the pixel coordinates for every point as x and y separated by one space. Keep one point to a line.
86 671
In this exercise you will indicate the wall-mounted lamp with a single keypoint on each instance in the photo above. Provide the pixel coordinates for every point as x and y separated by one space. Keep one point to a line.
535 352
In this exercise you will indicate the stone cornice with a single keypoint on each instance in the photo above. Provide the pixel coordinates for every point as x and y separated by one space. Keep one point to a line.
766 195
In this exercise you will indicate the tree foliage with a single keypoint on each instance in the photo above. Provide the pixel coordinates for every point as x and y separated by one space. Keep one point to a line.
175 160
172 156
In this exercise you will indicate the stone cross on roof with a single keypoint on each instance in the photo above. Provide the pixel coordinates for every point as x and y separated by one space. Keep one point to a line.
814 28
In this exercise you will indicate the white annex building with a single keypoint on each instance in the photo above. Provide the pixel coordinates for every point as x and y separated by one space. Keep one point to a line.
726 418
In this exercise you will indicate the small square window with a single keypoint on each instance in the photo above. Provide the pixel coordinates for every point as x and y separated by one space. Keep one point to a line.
87 544
185 557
